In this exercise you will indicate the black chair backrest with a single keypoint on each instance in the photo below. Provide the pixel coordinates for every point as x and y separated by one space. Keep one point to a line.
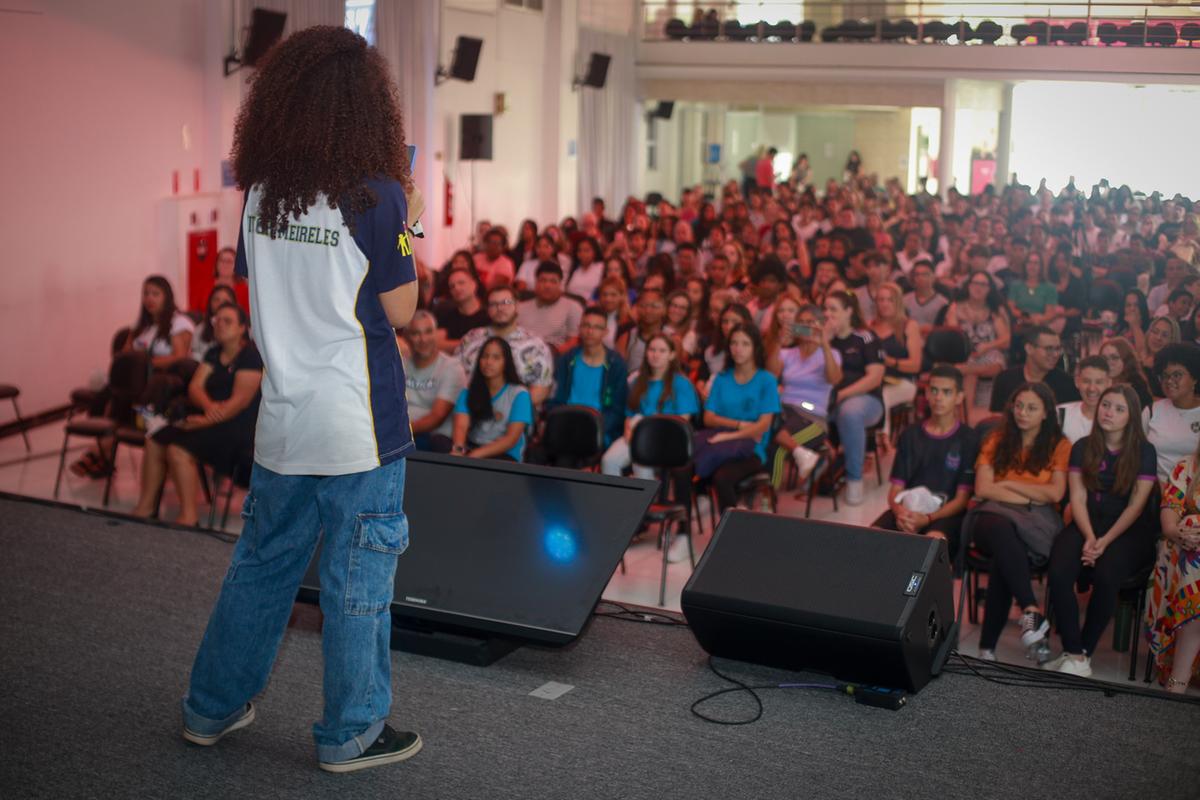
573 431
662 442
947 346
129 372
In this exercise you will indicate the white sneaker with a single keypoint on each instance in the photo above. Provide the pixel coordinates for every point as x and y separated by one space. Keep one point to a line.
1076 666
806 460
678 551
987 655
854 493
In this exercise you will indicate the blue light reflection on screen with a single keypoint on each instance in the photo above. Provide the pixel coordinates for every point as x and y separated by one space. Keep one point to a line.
560 545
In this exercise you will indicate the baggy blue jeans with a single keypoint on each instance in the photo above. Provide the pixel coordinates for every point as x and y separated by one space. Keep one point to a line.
361 520
852 417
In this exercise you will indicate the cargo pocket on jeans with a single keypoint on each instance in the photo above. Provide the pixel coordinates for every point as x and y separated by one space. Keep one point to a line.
247 540
379 539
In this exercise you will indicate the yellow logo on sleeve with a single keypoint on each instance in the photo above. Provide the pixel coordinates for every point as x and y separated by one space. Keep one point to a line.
404 244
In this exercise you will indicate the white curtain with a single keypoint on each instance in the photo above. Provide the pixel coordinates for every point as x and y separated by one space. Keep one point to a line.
406 33
301 14
607 122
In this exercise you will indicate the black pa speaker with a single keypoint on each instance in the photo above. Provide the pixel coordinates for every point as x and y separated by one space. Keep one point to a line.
266 28
466 58
664 109
475 137
597 71
863 605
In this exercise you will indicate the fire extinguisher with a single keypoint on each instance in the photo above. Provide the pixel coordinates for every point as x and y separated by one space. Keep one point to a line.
449 205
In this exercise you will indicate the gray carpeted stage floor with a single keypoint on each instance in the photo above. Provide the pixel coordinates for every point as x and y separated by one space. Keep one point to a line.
99 619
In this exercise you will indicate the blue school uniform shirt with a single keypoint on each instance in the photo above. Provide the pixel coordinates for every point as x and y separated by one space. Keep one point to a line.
587 382
510 404
745 401
682 402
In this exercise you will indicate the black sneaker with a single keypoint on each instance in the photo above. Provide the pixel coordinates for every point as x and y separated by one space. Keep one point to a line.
389 747
209 739
1034 628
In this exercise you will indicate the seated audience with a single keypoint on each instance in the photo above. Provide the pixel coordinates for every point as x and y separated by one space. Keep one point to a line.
738 412
857 401
164 334
980 316
1021 475
1161 332
1173 600
808 367
225 274
592 375
544 249
1174 424
1091 379
658 388
550 315
613 299
770 278
900 349
1113 529
535 362
224 393
1123 367
432 383
1032 298
1043 353
1135 318
494 266
587 271
650 313
734 314
203 337
878 271
464 313
939 456
494 412
680 321
924 303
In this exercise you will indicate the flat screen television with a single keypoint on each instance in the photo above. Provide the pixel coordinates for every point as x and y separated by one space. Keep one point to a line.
516 551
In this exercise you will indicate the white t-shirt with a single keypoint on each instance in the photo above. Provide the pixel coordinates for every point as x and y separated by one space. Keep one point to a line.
1173 432
441 380
1075 425
584 280
333 384
149 339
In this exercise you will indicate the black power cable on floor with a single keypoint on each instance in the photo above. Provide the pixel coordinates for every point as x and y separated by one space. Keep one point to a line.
644 616
1029 678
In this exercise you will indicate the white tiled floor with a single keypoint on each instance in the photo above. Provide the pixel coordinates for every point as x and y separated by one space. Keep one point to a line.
33 475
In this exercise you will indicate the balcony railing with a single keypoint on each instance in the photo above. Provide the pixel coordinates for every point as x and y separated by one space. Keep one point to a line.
1088 24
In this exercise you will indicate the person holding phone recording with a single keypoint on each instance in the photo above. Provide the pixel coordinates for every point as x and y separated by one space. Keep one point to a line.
807 371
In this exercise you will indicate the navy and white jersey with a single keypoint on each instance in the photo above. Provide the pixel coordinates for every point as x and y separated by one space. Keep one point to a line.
333 385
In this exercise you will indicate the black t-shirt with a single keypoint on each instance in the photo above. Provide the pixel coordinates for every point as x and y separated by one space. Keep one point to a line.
860 238
859 349
1103 506
939 463
219 384
456 324
1007 382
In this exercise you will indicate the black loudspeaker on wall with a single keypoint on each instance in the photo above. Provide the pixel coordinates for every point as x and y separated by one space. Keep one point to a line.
597 71
863 605
266 28
475 137
466 58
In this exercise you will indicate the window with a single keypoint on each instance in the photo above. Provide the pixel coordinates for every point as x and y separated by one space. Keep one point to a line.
531 5
360 18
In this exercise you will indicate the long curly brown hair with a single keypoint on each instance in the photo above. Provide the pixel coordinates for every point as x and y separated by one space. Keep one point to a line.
322 115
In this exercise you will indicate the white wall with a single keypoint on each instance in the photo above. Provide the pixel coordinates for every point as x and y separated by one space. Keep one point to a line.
511 186
96 100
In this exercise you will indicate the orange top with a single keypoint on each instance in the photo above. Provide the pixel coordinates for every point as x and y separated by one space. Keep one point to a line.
1058 461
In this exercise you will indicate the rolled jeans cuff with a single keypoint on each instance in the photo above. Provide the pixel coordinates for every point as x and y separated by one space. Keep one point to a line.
333 753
